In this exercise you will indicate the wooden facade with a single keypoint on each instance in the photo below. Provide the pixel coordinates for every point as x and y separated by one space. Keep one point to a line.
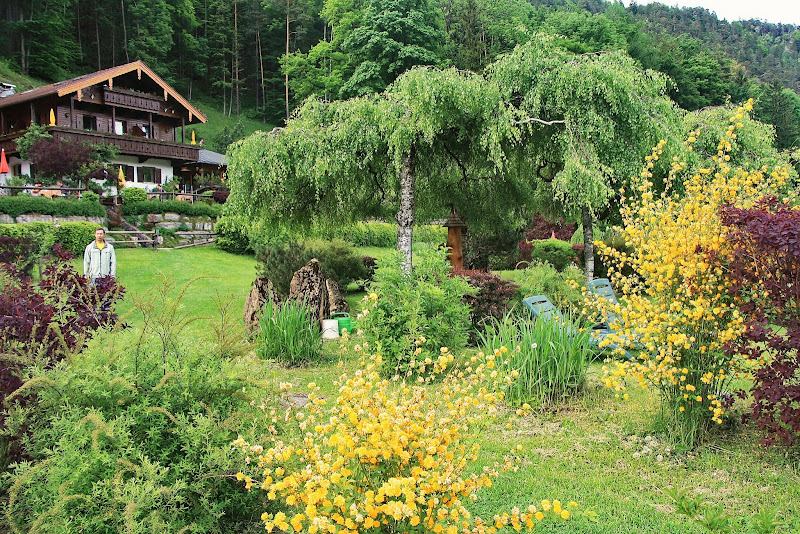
128 106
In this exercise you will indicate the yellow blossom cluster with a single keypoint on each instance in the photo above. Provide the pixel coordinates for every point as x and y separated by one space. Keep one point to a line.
676 313
390 456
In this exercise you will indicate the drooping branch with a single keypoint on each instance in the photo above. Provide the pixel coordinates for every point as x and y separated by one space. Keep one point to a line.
540 121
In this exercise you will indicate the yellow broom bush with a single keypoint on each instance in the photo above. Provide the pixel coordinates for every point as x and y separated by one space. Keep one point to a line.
676 313
387 456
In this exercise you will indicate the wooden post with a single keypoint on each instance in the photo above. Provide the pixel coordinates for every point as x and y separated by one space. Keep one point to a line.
454 225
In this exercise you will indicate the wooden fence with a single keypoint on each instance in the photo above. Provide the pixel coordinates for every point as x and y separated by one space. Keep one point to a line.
151 242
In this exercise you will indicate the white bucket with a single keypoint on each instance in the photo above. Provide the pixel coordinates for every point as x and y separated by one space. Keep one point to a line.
330 328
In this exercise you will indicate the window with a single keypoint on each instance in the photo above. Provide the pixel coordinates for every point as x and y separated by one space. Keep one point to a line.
16 169
146 174
89 122
120 127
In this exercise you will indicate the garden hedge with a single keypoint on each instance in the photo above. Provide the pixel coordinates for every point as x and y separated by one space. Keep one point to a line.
20 205
172 206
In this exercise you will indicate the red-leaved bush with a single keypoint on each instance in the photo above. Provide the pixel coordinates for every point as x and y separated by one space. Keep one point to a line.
541 228
492 297
41 322
765 272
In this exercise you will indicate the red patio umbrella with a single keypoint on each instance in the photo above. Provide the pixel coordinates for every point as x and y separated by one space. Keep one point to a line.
3 162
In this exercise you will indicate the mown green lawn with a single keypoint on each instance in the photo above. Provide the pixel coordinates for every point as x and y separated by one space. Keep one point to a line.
607 454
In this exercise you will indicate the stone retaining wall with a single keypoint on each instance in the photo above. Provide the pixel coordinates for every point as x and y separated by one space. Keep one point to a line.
173 221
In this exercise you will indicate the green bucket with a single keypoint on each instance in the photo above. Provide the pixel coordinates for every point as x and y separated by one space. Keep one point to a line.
344 320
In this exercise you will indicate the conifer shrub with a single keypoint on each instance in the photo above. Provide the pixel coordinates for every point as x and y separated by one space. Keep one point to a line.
121 440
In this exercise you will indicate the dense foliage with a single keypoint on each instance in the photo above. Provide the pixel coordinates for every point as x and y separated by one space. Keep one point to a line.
121 440
22 204
550 357
172 206
491 298
43 322
245 53
72 236
677 311
288 334
409 316
765 268
133 194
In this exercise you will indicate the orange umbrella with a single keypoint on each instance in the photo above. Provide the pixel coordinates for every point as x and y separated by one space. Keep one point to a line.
3 162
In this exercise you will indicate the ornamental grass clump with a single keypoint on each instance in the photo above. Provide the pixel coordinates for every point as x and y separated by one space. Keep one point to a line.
288 334
386 456
551 357
677 311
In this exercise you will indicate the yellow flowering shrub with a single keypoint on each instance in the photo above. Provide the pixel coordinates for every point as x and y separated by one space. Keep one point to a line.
387 456
676 313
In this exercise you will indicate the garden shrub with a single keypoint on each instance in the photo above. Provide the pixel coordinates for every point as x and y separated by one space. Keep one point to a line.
338 260
172 206
125 441
279 256
39 233
16 206
17 255
133 194
409 316
495 249
384 235
551 357
560 254
43 322
676 305
562 288
765 267
542 229
221 197
90 196
491 298
74 236
288 334
232 236
382 458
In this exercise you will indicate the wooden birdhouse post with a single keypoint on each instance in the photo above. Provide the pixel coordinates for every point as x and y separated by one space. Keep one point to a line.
454 224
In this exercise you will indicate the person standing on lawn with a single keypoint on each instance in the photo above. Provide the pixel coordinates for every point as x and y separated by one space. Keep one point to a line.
99 258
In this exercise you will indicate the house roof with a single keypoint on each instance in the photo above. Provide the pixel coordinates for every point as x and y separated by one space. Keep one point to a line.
74 85
209 157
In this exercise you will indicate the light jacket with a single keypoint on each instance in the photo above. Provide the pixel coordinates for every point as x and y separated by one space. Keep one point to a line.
97 263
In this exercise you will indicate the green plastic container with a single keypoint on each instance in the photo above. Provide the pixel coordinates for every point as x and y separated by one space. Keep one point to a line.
344 320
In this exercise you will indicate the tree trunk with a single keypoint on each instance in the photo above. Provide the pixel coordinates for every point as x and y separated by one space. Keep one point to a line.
124 32
236 81
286 82
588 243
405 215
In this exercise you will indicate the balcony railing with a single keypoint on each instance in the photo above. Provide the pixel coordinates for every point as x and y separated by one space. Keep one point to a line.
128 145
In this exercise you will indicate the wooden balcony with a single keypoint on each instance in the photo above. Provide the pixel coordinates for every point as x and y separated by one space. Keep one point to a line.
128 145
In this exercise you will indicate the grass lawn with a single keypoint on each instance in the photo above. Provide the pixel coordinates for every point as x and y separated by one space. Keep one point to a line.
607 454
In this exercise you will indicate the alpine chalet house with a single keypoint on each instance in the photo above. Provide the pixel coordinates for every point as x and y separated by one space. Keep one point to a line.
128 106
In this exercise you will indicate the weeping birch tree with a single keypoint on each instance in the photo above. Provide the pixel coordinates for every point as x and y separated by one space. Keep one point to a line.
433 139
592 119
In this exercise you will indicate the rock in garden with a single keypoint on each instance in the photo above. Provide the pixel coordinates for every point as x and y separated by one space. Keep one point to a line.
259 294
336 301
310 286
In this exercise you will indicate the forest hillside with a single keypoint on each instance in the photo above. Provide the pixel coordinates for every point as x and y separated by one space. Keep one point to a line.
256 60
